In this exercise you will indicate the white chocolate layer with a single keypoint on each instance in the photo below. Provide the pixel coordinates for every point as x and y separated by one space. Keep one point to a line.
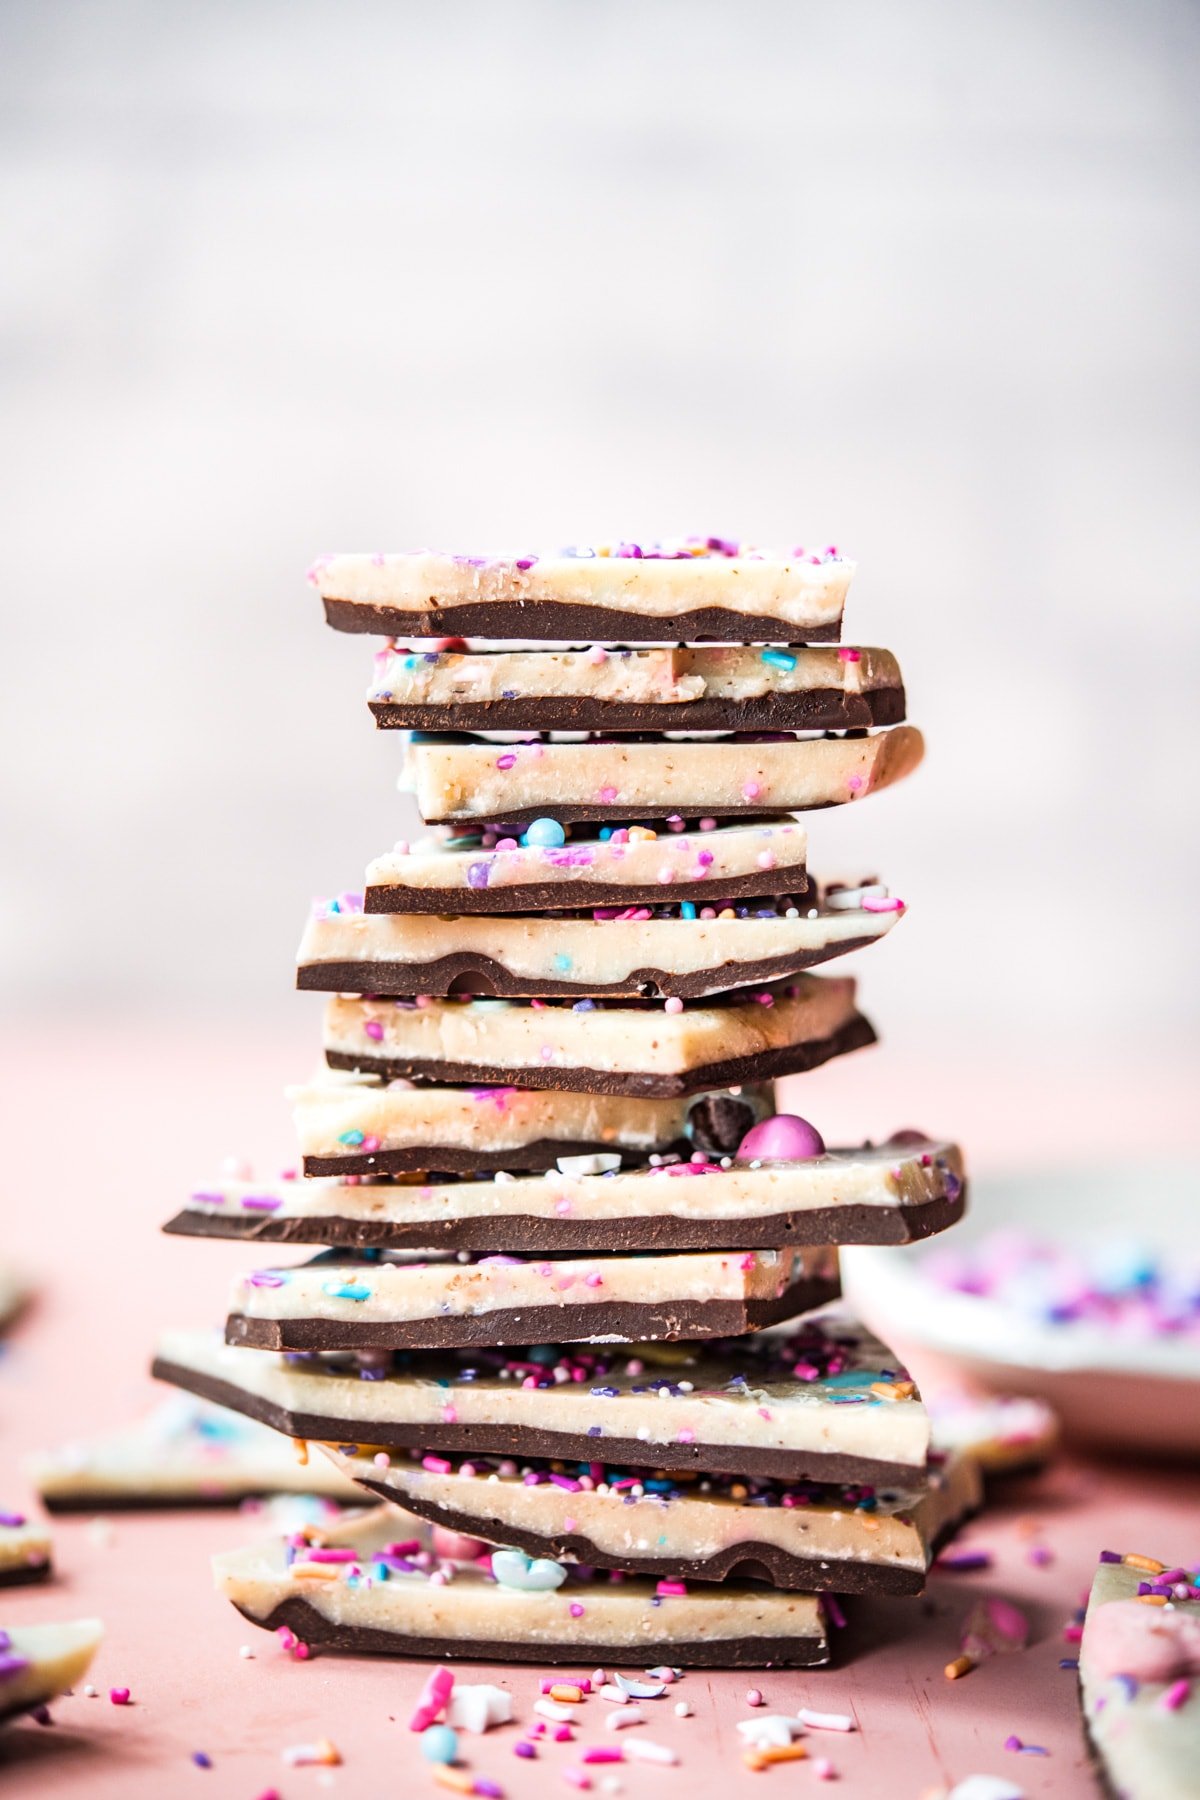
466 780
593 955
667 860
667 677
358 1115
475 1608
692 1520
1150 1750
184 1449
55 1658
24 1548
802 594
512 1035
999 1431
882 1178
398 1288
740 1395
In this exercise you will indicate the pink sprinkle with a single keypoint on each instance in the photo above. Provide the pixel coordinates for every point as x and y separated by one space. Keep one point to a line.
119 1696
524 1748
671 1587
754 1697
673 1005
766 859
1172 1698
686 1436
593 1281
370 1144
854 783
333 1556
436 1465
373 1029
604 1753
708 824
747 1261
607 795
564 1735
434 1696
751 790
450 1417
845 654
873 903
577 1777
576 1610
823 1769
505 762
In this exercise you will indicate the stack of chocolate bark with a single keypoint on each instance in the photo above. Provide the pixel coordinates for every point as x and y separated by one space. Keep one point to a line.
557 1211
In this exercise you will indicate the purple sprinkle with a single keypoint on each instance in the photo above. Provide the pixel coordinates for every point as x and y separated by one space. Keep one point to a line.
477 874
959 1560
202 1759
1110 1556
201 1198
261 1203
11 1518
1068 1662
11 1664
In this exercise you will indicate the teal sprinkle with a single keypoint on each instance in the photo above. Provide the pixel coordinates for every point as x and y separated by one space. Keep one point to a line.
381 1572
606 832
347 1290
779 659
351 1137
412 662
688 909
562 961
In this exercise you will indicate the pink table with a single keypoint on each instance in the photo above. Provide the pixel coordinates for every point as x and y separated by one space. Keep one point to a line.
130 1118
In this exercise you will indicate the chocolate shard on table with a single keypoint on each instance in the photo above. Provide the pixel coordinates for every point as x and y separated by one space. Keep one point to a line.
613 780
25 1549
501 1606
1006 1434
39 1662
691 588
548 867
360 1125
185 1452
704 687
1139 1661
397 1300
893 1194
605 1047
638 953
823 1401
858 1539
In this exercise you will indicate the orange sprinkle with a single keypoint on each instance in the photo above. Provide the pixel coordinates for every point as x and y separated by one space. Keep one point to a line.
1151 1599
564 1690
327 1752
893 1390
1143 1562
315 1571
458 1779
962 1665
868 1523
761 1756
300 1446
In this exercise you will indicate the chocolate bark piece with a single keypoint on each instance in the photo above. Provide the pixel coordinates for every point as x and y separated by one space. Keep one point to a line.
893 1194
39 1662
635 1049
801 1404
686 591
629 866
357 1125
395 1301
25 1551
796 1535
456 779
667 955
686 688
478 1617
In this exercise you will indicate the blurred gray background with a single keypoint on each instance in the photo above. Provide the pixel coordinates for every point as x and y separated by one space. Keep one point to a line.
916 278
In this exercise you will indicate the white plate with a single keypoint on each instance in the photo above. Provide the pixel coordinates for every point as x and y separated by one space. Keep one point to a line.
1106 1386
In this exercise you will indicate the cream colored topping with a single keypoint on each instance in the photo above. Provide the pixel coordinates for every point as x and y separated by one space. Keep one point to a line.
799 594
589 953
185 1448
330 1114
58 1657
1000 1431
665 860
768 1411
513 1036
880 1178
697 1523
475 1607
666 677
401 1288
488 781
25 1546
1149 1750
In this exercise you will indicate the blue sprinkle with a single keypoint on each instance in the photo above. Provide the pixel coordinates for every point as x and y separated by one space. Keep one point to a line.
562 961
351 1137
779 659
546 834
347 1290
584 1006
688 909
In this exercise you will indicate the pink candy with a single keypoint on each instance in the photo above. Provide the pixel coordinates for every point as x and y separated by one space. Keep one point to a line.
783 1137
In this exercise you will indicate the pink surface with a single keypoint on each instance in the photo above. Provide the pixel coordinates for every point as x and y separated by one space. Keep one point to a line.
127 1119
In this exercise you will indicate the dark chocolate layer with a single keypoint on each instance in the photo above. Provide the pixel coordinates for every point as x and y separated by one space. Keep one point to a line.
465 972
749 1561
523 1442
542 1153
809 709
517 1233
560 622
597 813
788 1059
633 1322
25 1573
567 896
707 1653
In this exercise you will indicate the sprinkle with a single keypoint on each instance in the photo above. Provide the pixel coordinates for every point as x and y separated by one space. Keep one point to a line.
458 1779
682 1709
434 1696
202 1759
324 1752
576 1610
754 1697
625 1716
604 1753
1172 1698
1147 1563
671 1587
779 659
524 1748
640 1749
563 1690
577 1777
762 1756
962 1665
845 654
673 1004
959 1561
119 1696
823 1769
823 1721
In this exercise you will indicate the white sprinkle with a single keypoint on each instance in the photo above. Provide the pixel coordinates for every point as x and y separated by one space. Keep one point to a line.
90 1691
556 1710
646 1750
682 1710
247 1652
822 1721
625 1715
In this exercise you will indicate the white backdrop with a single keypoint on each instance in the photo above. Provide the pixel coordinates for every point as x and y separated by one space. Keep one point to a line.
920 279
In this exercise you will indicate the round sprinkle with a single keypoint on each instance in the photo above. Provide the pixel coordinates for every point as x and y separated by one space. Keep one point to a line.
119 1696
673 1004
439 1744
754 1697
546 834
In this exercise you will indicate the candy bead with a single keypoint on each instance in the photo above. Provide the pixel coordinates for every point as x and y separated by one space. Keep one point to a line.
782 1137
439 1744
546 834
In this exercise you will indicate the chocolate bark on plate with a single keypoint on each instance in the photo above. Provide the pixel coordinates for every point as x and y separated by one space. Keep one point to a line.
800 1535
693 588
39 1662
1139 1659
538 1613
634 1048
889 1195
660 950
360 1125
707 687
550 866
25 1549
373 1300
823 1401
615 780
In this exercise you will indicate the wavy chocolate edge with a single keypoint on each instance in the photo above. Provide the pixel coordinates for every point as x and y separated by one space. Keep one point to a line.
707 1653
541 1153
596 813
752 1560
786 1059
560 621
566 896
628 1321
24 1575
523 1442
809 709
464 972
516 1233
